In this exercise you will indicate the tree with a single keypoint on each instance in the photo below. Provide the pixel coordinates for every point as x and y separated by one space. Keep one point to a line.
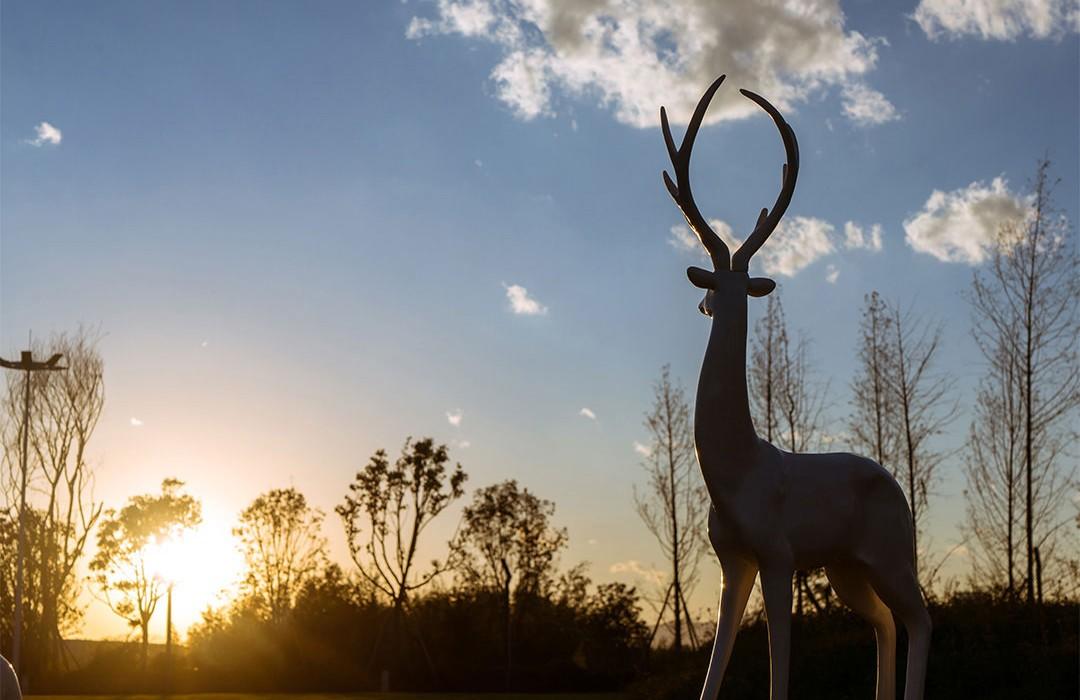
1024 315
281 538
395 503
993 468
674 505
507 546
506 540
122 566
872 425
922 410
787 402
67 406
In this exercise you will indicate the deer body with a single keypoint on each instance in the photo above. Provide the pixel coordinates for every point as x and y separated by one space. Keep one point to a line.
774 511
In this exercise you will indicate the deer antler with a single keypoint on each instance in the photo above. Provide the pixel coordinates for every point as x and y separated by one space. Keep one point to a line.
768 220
684 198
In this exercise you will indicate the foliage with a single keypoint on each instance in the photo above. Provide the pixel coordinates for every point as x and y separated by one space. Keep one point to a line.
121 566
280 536
506 541
398 501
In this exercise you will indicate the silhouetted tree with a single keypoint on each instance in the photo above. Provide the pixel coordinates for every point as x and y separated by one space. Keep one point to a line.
787 404
1024 306
281 538
121 567
507 546
65 412
872 425
385 513
923 407
674 505
993 468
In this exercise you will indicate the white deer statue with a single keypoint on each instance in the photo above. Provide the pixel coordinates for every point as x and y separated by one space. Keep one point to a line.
774 512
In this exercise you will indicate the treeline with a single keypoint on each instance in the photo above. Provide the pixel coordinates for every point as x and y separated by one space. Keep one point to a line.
498 609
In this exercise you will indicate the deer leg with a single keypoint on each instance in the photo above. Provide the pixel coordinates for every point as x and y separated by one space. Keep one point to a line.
776 587
856 592
738 582
900 591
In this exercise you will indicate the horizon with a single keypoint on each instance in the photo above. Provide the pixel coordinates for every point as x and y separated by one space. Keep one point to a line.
306 236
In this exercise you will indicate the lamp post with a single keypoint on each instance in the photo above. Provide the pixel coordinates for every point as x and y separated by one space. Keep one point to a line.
28 364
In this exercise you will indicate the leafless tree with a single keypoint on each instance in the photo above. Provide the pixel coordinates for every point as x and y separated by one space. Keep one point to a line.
788 402
766 368
1024 307
923 407
674 504
994 473
65 413
871 425
281 538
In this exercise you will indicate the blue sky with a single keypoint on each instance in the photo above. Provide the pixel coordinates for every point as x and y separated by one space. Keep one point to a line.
298 225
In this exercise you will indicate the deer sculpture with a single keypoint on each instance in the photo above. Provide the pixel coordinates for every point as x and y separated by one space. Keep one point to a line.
774 512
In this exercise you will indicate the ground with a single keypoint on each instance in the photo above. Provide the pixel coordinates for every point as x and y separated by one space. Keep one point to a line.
341 696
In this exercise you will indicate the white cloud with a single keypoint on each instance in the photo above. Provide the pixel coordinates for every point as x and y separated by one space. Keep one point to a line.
796 242
962 225
454 417
588 413
856 239
634 567
832 273
135 422
1002 20
522 303
592 541
464 444
642 450
867 107
634 55
46 134
683 239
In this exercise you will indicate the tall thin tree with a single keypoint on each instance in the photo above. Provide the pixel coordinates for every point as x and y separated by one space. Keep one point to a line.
923 407
1024 304
871 426
674 504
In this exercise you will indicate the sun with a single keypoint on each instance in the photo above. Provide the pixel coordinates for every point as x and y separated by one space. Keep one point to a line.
204 567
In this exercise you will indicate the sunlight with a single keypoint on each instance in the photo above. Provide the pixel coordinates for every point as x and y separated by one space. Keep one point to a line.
204 567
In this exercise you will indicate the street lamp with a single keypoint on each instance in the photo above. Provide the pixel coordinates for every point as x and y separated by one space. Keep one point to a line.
28 364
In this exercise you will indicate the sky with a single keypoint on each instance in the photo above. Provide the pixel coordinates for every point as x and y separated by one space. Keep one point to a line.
306 231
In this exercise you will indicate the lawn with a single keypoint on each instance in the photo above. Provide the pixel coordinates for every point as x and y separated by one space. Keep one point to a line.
347 696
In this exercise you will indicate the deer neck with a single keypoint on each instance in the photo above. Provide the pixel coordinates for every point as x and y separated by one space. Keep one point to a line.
723 430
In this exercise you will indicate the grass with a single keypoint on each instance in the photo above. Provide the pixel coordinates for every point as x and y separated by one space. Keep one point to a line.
347 696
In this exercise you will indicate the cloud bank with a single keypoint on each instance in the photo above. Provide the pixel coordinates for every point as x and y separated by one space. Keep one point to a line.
633 55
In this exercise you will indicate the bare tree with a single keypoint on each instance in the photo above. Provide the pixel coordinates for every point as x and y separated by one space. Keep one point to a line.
281 538
674 504
994 473
871 426
67 406
923 407
766 368
123 567
788 402
1024 307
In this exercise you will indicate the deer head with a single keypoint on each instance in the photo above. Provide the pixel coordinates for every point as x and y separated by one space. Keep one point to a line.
730 272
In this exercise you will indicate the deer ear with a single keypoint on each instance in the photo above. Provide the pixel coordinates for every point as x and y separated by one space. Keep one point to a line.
759 286
702 279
